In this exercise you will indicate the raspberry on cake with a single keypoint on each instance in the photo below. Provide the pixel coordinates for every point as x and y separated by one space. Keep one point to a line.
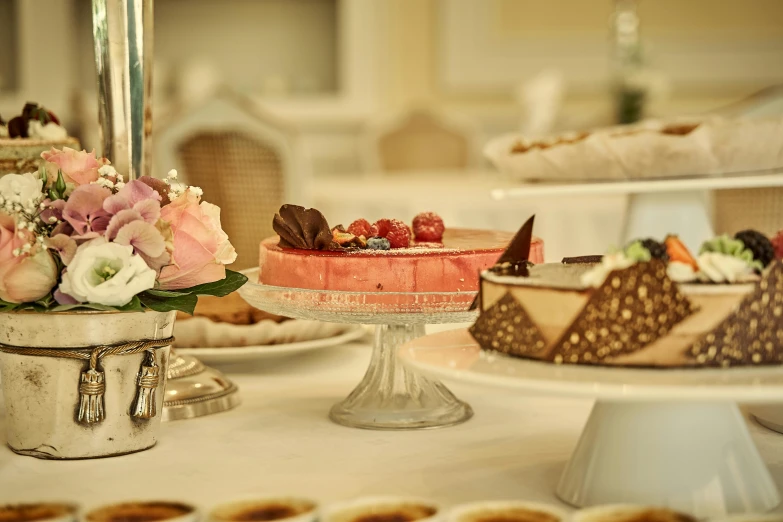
306 255
397 232
633 308
428 227
360 227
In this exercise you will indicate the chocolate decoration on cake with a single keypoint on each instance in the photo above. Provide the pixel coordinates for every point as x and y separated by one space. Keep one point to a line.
505 327
753 333
516 255
582 260
301 228
632 309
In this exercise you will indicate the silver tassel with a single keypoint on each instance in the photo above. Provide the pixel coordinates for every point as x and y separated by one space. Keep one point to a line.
149 378
91 390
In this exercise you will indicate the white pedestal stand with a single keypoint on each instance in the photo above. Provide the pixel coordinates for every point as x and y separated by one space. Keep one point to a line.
658 207
690 455
670 438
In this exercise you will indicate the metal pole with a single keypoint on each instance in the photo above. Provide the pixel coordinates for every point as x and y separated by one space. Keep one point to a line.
122 33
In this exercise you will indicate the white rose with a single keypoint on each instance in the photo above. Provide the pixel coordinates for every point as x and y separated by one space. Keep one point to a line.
26 187
51 131
106 273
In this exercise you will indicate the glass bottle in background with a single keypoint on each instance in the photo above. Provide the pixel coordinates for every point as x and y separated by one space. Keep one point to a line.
630 94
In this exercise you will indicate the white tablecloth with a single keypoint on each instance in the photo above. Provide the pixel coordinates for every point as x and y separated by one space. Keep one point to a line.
279 441
570 225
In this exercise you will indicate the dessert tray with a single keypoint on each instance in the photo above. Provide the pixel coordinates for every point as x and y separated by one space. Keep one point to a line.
666 437
390 396
249 353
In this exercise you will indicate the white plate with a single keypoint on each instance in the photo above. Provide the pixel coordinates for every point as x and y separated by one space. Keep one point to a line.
454 355
252 353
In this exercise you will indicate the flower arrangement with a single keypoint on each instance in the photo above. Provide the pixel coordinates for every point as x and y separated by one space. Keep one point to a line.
76 235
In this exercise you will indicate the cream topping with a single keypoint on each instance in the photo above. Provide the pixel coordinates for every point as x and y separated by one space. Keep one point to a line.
681 272
51 131
715 267
596 276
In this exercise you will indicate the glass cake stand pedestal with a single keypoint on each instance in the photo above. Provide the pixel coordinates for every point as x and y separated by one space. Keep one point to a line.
673 437
390 396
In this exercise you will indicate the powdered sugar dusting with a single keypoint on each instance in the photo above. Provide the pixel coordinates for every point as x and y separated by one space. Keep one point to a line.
405 251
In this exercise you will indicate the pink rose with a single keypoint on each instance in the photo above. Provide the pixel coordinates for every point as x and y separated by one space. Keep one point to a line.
79 167
201 248
25 278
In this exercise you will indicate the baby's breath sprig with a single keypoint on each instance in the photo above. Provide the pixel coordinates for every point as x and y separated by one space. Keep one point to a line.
177 189
109 178
27 218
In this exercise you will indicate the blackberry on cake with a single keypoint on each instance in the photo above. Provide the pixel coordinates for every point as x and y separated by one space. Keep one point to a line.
759 244
656 248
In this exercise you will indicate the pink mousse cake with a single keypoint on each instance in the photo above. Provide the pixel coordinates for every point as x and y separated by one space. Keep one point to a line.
453 266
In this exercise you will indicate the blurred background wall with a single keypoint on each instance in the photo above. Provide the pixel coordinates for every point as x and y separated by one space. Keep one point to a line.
332 67
331 102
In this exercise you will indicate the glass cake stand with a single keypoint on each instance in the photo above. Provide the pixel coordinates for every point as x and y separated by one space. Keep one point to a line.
390 396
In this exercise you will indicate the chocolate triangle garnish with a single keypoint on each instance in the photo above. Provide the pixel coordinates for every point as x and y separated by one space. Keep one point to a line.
505 327
518 249
753 333
516 255
633 308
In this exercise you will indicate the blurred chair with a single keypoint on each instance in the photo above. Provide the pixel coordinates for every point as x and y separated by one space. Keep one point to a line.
760 209
247 163
420 140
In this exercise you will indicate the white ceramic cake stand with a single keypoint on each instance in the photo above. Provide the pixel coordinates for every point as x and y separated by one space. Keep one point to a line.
659 437
656 207
391 396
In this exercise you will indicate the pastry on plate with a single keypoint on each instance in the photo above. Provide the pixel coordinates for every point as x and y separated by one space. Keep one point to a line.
231 309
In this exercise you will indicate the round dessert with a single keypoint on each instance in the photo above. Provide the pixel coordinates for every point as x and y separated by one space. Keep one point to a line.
25 137
652 305
450 265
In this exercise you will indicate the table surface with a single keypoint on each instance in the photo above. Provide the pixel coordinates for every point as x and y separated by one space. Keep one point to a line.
279 441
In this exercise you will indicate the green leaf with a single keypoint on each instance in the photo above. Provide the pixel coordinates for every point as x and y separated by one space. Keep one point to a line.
166 293
45 301
225 286
184 303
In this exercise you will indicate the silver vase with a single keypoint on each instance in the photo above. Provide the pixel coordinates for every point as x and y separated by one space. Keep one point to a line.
122 32
44 394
